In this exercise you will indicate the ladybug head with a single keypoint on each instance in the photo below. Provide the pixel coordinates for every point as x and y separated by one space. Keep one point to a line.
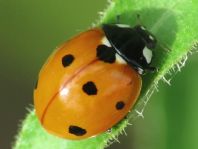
134 45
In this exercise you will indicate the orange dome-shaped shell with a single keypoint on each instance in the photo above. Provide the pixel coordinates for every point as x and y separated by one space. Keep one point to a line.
79 95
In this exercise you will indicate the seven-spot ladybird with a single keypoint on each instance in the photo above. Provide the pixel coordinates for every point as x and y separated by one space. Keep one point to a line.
92 81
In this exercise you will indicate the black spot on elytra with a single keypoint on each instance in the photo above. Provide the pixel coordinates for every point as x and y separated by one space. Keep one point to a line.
67 60
90 88
106 54
78 131
120 105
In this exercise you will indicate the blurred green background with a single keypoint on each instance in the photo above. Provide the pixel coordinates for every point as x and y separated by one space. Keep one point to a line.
30 30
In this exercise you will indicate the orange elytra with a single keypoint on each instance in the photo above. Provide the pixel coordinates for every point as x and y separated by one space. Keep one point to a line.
92 81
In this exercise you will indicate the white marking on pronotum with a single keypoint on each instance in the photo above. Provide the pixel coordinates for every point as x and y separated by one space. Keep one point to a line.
147 54
106 42
143 28
151 37
123 25
140 71
119 59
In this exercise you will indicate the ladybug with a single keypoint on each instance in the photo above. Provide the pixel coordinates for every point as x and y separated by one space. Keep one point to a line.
92 81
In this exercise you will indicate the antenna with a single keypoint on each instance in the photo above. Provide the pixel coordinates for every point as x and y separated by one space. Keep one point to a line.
118 19
138 19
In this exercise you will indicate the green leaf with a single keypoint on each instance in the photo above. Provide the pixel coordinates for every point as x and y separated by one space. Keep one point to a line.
174 23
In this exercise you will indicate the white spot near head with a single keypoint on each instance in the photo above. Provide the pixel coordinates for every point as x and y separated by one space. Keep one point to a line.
123 25
120 60
105 41
143 28
147 53
151 37
140 71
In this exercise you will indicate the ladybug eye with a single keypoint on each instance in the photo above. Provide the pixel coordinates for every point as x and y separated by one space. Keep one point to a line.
141 58
67 60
